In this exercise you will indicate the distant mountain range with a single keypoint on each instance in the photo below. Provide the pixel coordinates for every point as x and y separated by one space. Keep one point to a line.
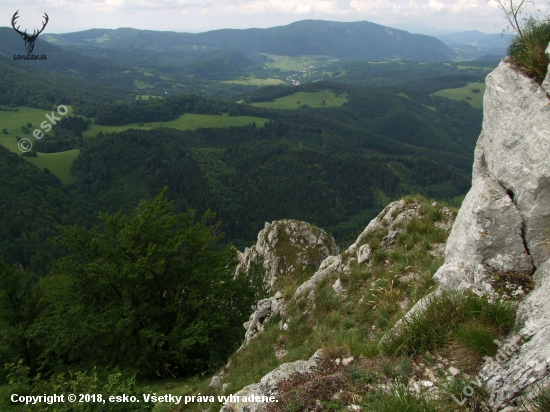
345 41
473 44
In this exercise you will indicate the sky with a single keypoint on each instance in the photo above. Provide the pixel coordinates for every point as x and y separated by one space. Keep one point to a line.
203 15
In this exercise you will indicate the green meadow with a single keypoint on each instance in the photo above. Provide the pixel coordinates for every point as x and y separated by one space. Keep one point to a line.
187 121
13 121
138 84
289 63
58 163
254 81
465 93
473 67
313 99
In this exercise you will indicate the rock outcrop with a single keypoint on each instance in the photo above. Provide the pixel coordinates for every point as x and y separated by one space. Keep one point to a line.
285 246
502 226
393 218
502 231
268 385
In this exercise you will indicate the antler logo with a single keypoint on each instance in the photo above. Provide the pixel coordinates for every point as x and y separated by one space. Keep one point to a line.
29 40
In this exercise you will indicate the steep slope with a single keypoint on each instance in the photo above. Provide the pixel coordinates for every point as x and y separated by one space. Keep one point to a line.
501 232
477 340
346 41
32 204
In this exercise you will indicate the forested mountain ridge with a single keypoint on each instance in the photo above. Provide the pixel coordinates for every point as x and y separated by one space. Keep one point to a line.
347 41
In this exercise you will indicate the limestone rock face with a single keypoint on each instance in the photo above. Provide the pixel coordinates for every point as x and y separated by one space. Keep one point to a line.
264 309
486 237
531 363
268 385
285 246
510 199
502 226
516 144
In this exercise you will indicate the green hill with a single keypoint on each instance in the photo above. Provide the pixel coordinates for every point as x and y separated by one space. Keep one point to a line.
347 41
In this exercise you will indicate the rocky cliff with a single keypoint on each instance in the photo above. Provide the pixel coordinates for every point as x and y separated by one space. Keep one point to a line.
497 251
503 224
503 229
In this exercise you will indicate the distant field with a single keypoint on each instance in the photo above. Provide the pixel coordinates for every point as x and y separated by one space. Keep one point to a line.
188 121
147 97
289 63
463 92
138 84
254 81
341 73
406 96
473 67
58 163
315 99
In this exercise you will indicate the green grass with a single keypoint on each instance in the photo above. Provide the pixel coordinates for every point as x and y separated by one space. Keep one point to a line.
187 121
541 400
297 63
460 67
406 96
58 163
341 73
314 99
138 84
254 81
528 51
475 321
347 325
462 92
147 97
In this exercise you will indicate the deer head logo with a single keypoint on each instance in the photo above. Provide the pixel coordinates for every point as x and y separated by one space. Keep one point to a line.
29 40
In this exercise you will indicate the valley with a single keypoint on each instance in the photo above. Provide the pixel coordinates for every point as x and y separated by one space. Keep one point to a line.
128 260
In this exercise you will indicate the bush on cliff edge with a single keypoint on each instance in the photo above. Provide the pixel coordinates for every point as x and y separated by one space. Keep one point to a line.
528 48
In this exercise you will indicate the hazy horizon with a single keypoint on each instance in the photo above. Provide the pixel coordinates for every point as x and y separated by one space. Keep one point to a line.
195 16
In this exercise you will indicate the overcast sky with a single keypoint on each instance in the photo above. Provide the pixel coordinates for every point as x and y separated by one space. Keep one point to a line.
203 15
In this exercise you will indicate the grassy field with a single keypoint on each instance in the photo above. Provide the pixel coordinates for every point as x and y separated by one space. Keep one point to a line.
289 63
315 99
14 121
138 84
188 121
57 163
147 97
473 67
406 96
254 81
465 93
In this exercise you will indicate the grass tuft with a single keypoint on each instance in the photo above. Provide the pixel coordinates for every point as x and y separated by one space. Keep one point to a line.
541 401
469 318
528 51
